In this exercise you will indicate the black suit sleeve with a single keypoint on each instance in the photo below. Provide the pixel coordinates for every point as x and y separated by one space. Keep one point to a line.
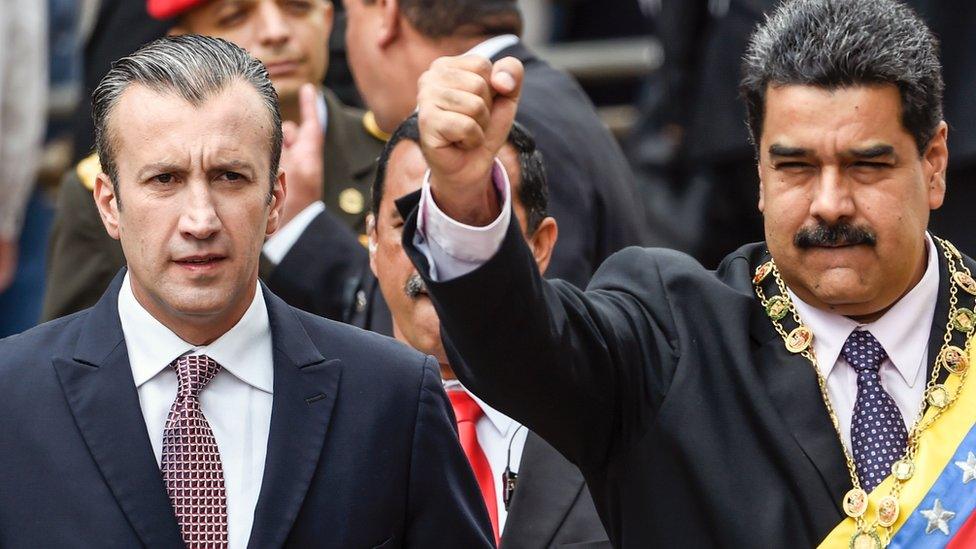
445 507
585 370
319 273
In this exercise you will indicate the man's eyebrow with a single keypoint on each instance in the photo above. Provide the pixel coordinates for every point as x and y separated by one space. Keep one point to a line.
782 150
875 151
157 168
233 165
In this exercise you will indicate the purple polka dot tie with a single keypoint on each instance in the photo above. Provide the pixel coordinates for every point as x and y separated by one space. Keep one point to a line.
191 465
878 435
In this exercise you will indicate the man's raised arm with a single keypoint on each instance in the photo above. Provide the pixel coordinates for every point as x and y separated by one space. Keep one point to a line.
564 362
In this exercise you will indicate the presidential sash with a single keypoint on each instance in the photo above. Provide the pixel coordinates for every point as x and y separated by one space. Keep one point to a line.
937 507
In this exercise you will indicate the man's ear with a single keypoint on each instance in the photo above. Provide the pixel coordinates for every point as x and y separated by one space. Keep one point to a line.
108 204
935 161
543 241
371 245
329 15
389 23
278 193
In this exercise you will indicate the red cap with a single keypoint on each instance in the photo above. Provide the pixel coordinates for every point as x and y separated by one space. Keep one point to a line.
165 9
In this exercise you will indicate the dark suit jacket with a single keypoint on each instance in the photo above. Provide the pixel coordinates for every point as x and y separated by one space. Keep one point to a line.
361 453
551 506
317 275
591 187
665 383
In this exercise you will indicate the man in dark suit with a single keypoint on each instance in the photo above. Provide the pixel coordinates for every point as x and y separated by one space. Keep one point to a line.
191 405
777 401
546 503
591 186
329 155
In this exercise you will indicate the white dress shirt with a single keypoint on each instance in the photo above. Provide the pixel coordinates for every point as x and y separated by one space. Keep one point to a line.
277 246
236 403
496 434
454 249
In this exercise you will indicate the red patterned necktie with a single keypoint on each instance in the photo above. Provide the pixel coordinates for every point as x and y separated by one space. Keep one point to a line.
467 412
191 461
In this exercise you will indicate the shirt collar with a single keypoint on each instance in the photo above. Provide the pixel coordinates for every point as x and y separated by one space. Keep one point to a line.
152 346
898 330
490 48
502 423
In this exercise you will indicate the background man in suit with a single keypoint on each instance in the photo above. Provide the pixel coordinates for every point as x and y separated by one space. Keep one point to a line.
550 505
756 405
286 429
314 260
391 43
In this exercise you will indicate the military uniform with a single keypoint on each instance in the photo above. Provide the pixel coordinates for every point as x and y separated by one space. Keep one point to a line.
83 258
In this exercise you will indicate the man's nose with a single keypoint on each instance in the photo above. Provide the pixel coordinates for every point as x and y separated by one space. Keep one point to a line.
272 24
199 219
833 199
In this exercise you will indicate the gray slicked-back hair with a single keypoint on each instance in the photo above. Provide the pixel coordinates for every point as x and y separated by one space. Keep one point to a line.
839 43
192 67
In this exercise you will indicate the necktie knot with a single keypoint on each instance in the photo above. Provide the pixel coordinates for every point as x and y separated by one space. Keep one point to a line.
193 373
465 407
863 352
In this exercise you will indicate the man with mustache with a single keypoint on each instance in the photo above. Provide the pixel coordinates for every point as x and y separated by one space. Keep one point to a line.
328 153
191 407
535 498
811 390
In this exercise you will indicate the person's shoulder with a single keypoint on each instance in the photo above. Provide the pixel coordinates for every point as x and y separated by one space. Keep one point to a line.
642 268
367 352
20 353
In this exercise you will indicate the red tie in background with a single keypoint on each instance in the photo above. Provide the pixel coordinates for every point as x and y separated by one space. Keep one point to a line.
468 413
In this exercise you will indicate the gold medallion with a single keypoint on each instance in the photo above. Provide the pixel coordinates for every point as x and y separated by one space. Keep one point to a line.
888 511
903 469
964 320
799 340
954 359
777 307
965 282
351 201
939 396
762 272
865 540
855 502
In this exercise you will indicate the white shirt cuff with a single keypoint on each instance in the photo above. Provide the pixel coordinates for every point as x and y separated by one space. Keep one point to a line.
454 249
277 246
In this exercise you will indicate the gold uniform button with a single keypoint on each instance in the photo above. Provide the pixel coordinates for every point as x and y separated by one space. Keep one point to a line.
352 201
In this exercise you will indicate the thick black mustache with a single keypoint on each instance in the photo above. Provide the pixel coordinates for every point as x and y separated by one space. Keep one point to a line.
841 234
414 286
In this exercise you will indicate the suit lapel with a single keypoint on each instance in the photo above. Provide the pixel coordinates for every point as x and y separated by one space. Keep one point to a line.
792 386
305 391
99 388
548 485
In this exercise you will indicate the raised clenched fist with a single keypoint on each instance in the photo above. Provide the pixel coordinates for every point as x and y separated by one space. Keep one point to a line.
466 108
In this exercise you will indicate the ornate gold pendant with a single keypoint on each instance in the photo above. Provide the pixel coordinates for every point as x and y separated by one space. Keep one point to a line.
888 511
762 272
903 469
954 359
865 540
855 502
939 396
799 340
964 320
965 282
777 307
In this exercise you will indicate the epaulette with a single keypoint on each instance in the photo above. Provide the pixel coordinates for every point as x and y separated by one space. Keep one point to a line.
88 170
372 128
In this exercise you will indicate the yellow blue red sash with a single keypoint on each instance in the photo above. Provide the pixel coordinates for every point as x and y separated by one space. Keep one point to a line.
940 472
